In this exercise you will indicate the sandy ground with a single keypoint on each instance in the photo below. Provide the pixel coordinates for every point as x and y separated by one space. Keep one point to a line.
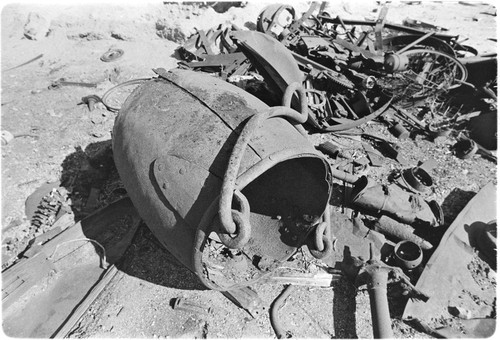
72 38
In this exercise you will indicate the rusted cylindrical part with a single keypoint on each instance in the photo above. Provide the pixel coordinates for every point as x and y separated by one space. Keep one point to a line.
329 148
417 179
465 148
408 254
273 312
392 228
344 176
396 203
91 101
395 62
381 319
399 131
172 143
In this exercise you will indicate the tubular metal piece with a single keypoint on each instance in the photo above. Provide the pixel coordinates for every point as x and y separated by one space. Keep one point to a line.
392 228
396 203
416 179
189 306
273 312
422 38
381 319
408 254
91 101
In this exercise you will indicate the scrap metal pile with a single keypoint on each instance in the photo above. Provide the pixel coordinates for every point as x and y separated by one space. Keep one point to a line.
216 158
413 77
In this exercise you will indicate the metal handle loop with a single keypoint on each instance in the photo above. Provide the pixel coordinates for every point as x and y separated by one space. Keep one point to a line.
242 231
287 101
228 225
322 237
319 233
327 248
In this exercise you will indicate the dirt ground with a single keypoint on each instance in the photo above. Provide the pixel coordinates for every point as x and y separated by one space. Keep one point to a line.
69 145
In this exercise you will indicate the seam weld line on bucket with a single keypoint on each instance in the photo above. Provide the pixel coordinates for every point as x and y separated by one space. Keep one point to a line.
163 74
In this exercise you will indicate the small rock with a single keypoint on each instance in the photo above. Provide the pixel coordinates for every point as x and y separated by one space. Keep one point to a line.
165 30
53 113
36 27
97 134
460 312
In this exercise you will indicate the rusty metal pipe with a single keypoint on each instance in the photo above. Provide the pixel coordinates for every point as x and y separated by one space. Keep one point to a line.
344 176
446 37
377 288
390 227
396 203
273 312
407 47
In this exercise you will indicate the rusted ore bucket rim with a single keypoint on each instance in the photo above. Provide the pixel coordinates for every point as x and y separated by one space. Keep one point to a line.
243 180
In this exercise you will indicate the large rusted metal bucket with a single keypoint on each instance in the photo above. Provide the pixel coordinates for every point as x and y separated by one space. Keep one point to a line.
172 142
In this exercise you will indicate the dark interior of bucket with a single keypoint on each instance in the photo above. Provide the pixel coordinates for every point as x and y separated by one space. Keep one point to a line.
284 202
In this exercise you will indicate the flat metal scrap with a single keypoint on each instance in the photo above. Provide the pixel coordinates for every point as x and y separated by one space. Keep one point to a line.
447 275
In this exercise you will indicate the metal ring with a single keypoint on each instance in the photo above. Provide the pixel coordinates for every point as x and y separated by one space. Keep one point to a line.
318 236
321 96
242 235
327 250
243 202
291 89
112 55
106 95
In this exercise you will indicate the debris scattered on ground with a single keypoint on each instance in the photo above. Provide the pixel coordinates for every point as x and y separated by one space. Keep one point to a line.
404 114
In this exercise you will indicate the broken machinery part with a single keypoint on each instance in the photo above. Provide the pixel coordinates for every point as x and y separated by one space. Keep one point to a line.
91 101
393 201
376 274
247 299
400 231
408 255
